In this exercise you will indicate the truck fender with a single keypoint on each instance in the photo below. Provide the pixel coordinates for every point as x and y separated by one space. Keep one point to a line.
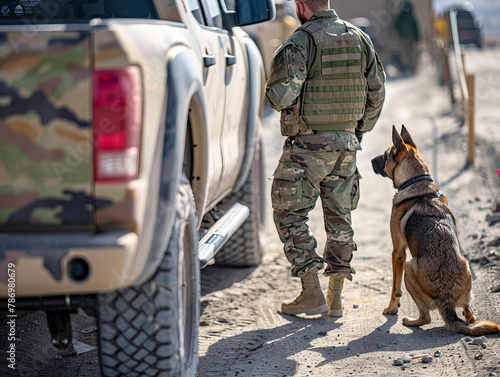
255 99
184 85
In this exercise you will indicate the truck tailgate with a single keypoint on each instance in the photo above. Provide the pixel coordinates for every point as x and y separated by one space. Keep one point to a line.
46 178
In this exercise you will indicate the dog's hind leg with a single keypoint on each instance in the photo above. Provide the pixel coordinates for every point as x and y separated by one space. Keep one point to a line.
398 261
465 300
422 300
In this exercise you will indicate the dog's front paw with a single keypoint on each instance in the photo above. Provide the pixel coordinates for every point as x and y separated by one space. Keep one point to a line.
391 311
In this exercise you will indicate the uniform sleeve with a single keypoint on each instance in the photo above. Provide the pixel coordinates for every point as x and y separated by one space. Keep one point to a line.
288 73
375 79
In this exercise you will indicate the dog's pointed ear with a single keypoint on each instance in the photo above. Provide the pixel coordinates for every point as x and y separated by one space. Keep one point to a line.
399 145
407 137
396 138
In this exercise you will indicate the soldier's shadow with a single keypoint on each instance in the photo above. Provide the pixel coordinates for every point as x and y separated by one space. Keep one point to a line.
382 340
268 352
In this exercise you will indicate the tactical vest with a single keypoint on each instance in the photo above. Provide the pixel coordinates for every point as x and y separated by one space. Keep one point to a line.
334 94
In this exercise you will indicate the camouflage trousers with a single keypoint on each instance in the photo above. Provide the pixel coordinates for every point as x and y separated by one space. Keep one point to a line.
308 169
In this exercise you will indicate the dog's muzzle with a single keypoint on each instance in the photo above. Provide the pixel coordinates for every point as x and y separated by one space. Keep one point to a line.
378 165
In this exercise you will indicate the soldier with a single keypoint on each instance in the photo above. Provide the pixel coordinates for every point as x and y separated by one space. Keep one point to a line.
406 25
328 82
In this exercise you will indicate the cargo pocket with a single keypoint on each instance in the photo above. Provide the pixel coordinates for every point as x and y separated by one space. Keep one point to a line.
287 191
355 190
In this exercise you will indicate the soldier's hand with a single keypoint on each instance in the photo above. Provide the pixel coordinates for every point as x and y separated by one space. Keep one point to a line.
359 135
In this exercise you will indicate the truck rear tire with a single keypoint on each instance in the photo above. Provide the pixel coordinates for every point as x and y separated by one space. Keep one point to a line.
245 248
152 329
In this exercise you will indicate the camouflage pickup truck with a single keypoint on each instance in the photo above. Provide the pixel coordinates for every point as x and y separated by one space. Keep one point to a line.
130 153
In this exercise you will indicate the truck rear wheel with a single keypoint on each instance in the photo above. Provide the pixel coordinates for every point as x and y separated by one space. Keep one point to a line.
245 247
152 329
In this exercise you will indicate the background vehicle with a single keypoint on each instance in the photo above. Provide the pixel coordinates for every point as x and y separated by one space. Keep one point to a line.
128 131
470 27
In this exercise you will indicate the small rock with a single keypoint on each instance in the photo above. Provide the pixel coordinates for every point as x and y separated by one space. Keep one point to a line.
58 357
406 359
322 333
495 289
467 339
478 356
355 306
88 330
437 354
397 362
493 218
427 359
479 341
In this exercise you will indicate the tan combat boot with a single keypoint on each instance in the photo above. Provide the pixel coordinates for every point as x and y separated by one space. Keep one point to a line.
310 300
334 296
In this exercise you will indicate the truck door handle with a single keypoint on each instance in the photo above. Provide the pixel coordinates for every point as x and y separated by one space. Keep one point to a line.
230 60
209 60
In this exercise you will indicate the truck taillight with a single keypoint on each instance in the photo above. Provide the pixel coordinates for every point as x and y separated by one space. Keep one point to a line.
117 118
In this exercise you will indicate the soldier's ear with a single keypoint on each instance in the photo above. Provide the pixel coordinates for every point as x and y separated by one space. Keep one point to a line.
407 137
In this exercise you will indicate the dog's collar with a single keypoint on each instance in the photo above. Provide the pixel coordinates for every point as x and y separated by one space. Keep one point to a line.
422 177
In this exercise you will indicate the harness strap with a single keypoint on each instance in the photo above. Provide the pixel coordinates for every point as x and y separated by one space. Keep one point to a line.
422 177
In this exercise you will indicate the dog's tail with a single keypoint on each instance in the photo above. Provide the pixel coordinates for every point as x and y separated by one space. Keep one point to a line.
455 324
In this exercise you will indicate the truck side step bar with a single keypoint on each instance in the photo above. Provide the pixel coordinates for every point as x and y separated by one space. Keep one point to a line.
220 232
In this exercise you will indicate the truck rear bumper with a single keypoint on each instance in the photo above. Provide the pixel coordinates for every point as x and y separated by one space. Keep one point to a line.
66 263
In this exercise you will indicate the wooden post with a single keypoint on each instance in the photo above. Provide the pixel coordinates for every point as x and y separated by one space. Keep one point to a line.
445 73
471 116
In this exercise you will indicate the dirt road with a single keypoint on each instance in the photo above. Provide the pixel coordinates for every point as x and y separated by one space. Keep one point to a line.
243 332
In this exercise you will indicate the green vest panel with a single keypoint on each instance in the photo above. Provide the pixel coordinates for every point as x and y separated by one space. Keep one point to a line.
335 90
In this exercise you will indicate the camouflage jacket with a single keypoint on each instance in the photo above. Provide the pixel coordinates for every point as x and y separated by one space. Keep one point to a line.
299 50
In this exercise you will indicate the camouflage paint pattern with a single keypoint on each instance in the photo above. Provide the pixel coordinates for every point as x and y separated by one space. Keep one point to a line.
312 166
45 129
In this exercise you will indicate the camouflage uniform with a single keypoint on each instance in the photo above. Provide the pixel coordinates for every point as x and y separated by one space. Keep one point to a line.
327 85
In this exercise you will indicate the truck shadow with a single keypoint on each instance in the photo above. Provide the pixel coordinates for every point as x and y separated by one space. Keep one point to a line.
216 278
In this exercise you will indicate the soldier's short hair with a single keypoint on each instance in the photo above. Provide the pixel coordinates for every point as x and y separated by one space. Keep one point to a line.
316 5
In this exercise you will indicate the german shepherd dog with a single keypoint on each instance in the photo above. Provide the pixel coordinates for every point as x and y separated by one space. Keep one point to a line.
438 276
